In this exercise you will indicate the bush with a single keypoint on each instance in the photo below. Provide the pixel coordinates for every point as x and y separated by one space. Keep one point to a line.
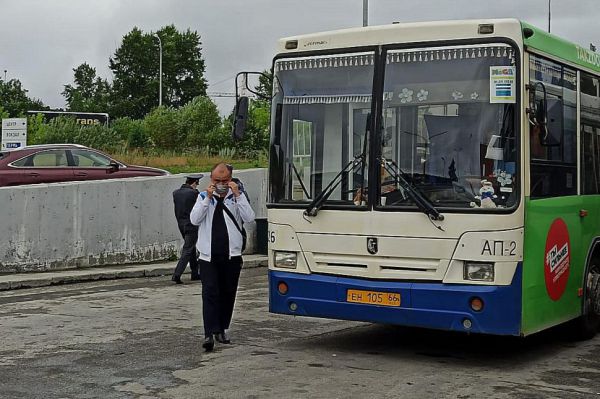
199 119
132 133
194 128
64 129
161 126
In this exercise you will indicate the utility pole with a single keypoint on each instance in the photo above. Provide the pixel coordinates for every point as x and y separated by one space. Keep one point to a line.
365 12
549 13
159 70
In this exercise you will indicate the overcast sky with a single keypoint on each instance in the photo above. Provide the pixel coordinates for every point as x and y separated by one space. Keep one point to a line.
41 41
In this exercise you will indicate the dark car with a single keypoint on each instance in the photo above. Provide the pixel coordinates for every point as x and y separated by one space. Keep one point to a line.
51 163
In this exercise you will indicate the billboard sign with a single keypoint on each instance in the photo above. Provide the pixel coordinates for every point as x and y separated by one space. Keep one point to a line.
14 133
82 118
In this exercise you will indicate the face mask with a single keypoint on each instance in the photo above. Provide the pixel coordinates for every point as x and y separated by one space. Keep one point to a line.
222 189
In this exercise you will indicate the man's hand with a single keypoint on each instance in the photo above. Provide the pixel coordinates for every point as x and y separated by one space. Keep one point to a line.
210 190
234 187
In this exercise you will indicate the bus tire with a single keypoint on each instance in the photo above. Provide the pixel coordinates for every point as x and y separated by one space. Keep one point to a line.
589 322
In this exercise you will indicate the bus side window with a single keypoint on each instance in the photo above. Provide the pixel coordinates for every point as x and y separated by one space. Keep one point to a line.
553 158
590 134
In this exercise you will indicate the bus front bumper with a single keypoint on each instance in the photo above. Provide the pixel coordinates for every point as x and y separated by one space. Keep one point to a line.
428 305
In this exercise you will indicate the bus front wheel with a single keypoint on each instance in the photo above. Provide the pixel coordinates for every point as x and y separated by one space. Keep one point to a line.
589 322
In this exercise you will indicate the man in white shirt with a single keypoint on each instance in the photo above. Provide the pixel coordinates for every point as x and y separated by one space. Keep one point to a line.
220 212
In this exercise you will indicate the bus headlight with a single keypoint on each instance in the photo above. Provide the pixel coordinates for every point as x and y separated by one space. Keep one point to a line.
479 271
286 260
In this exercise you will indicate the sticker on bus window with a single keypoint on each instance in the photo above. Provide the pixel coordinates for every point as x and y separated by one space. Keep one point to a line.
502 84
557 259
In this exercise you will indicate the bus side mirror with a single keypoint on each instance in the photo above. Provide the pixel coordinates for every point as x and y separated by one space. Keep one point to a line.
240 118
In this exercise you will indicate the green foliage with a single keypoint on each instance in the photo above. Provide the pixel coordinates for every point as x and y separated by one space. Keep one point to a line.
89 92
135 67
201 122
132 132
256 136
265 85
161 126
14 99
35 129
66 130
3 113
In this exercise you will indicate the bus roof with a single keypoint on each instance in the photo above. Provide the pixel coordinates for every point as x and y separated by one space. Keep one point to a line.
435 31
410 32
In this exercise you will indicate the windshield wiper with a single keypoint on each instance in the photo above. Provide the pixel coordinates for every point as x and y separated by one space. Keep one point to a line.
317 203
422 202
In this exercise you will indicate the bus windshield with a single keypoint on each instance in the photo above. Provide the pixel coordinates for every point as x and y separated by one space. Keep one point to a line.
321 112
449 126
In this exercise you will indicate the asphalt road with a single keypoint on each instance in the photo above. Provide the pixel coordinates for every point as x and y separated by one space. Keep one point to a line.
140 338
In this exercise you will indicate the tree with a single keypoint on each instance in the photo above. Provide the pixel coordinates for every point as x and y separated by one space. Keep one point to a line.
14 99
265 85
135 67
89 92
161 126
201 121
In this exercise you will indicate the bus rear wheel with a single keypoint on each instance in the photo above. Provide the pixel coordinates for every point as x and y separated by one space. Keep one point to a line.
589 322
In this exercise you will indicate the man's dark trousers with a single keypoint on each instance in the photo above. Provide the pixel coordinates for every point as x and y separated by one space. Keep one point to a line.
219 286
188 254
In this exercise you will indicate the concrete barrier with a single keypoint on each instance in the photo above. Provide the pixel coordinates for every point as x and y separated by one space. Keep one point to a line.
96 223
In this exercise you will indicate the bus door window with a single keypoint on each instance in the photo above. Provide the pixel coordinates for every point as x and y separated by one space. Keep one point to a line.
302 133
553 156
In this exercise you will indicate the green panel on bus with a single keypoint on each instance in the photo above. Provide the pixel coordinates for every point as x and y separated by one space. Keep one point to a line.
557 241
561 48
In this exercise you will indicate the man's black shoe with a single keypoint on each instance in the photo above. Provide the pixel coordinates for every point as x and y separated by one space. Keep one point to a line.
223 338
208 344
195 278
177 280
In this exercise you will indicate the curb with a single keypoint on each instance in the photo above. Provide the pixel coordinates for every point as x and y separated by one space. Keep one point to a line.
45 279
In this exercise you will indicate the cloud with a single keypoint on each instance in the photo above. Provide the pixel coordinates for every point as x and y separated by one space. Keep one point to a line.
42 41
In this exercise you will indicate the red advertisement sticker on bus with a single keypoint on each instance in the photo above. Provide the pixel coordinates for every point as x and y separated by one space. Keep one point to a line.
557 260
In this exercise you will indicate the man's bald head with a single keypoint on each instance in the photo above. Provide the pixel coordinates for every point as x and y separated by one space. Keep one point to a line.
220 173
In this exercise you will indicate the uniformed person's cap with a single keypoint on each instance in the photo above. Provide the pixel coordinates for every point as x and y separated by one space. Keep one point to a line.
197 176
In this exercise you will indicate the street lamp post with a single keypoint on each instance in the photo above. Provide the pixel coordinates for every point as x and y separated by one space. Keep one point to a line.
159 70
365 12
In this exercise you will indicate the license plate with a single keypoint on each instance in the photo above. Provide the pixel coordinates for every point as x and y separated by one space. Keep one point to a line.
373 297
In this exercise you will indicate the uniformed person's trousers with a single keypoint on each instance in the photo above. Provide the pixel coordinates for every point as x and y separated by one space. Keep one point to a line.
188 255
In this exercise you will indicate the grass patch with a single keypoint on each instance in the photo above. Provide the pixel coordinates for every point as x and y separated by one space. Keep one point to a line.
187 163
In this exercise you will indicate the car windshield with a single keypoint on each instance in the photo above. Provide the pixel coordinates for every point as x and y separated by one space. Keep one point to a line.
321 111
448 125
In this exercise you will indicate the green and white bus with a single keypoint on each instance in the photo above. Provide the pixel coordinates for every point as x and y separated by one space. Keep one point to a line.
442 175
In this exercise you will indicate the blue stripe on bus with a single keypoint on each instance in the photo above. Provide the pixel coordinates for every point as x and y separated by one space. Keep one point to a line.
429 305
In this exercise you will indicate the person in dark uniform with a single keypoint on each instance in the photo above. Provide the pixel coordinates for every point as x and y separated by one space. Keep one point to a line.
220 212
184 199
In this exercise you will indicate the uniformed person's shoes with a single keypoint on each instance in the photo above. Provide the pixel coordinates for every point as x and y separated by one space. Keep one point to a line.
177 280
195 277
208 344
223 338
